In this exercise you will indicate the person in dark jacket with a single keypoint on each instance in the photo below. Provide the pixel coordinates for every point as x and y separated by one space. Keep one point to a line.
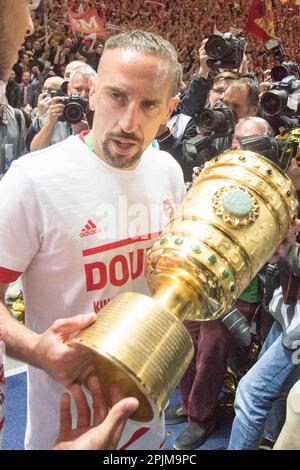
13 93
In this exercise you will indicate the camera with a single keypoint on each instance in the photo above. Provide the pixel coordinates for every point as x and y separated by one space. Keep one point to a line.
75 108
225 52
238 326
199 149
282 98
280 150
275 47
263 145
218 122
285 69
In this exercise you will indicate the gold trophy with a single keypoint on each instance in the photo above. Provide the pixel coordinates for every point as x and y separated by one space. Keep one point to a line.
233 218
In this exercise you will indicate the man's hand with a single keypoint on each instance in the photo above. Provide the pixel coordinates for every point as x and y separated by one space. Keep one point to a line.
196 172
56 110
106 429
203 57
293 172
35 70
284 246
244 70
43 105
64 363
81 126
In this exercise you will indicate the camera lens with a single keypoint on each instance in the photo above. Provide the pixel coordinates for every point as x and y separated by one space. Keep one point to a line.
279 72
216 47
205 120
238 326
73 113
273 102
210 120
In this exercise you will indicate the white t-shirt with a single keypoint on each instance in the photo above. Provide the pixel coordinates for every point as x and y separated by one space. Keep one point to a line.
2 385
64 222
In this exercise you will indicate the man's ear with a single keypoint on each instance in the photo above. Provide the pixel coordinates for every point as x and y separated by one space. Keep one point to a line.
171 106
92 94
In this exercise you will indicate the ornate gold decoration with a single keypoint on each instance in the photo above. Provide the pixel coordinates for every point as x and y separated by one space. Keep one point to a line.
195 270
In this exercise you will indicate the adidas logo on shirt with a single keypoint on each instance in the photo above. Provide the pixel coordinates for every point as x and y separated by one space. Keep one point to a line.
89 229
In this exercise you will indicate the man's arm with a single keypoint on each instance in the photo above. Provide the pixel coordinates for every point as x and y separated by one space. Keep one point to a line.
19 340
48 351
43 137
197 93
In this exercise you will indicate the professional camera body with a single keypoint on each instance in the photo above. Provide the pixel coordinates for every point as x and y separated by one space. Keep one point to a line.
75 106
275 47
283 95
282 98
280 150
225 52
218 122
215 123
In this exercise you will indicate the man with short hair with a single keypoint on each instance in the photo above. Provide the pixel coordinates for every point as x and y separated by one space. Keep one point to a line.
84 182
101 434
242 97
213 344
50 127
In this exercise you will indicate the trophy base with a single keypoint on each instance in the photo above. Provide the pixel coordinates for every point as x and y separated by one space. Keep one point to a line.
141 346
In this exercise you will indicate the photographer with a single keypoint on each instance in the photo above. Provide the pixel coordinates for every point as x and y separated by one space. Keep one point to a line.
239 99
214 343
52 128
203 91
280 100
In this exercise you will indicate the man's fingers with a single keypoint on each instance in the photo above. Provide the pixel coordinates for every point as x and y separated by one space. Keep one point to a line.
65 414
116 420
99 403
83 410
73 324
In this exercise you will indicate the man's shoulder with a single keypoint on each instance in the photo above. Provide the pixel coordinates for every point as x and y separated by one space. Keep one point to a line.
160 159
50 158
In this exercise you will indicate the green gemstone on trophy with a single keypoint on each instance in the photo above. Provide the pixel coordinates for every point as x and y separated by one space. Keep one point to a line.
178 241
225 273
237 202
163 241
212 259
196 248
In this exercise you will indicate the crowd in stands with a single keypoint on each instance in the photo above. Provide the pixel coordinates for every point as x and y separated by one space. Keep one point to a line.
56 73
185 23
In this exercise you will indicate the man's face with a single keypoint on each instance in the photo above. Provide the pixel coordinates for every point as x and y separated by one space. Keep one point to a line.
15 22
12 76
244 130
79 85
37 46
26 78
237 100
217 91
131 100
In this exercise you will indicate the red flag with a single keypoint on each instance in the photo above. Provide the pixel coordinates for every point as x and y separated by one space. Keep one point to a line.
260 20
87 22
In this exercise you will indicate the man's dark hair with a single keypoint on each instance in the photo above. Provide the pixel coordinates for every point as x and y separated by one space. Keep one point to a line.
252 89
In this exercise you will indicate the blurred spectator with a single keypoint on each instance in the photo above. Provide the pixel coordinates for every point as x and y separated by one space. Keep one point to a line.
28 88
22 66
13 93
